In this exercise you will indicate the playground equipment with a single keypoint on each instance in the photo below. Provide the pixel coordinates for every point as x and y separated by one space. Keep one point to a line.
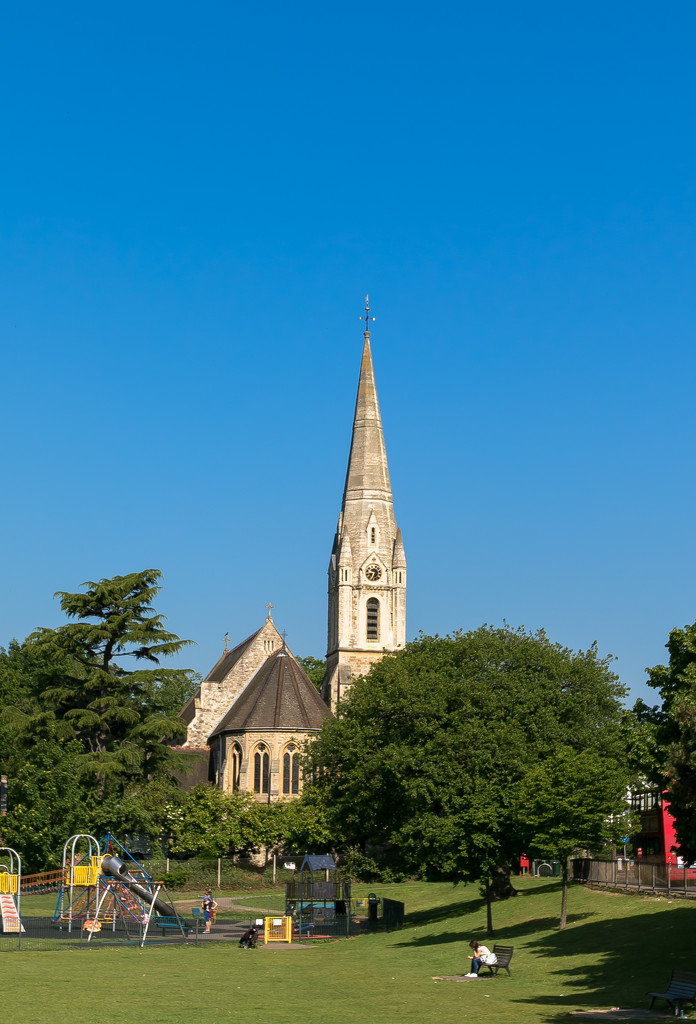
101 882
317 896
11 891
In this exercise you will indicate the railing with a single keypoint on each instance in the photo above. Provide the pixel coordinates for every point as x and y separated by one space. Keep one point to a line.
627 874
8 883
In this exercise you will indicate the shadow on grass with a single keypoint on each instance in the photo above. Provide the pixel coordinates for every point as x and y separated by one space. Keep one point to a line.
624 958
504 935
418 918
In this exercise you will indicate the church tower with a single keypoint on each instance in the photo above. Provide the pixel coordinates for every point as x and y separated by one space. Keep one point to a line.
367 571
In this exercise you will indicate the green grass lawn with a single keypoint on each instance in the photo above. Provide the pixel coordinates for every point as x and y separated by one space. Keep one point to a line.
615 948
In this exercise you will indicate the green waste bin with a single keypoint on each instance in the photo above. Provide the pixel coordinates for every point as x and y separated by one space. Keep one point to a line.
556 868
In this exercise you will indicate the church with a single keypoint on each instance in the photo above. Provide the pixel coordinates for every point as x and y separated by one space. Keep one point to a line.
257 705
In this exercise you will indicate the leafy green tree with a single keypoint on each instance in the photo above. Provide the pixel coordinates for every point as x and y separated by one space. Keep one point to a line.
421 764
212 823
315 669
302 826
570 801
45 805
120 715
69 697
669 734
680 769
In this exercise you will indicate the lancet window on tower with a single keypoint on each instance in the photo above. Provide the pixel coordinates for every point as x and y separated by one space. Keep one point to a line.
262 769
373 619
291 771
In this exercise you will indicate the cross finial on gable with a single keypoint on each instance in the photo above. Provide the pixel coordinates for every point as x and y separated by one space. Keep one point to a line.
367 316
269 617
284 635
227 643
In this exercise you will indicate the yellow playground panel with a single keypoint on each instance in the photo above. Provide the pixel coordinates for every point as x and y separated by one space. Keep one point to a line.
84 874
8 883
278 929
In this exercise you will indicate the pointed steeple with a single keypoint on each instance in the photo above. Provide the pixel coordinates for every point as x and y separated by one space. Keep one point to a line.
368 472
367 572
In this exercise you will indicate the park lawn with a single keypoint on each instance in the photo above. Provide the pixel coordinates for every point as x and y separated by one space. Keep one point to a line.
615 948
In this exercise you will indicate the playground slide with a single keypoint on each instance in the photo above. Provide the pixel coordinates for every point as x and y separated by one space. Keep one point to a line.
9 914
118 868
162 908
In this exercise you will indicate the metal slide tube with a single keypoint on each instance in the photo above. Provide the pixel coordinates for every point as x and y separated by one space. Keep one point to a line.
118 868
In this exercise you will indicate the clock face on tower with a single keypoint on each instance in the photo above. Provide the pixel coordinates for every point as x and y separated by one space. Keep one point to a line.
373 573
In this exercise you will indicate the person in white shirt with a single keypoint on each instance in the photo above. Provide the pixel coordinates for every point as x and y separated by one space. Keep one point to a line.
482 955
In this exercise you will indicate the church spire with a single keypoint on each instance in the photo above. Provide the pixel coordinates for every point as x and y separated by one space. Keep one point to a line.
368 473
367 571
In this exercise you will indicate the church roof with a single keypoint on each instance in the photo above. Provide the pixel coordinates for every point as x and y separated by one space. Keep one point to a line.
280 696
218 672
229 659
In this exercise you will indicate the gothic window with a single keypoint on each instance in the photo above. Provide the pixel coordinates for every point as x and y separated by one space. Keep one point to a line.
373 535
268 646
236 765
291 771
373 619
262 765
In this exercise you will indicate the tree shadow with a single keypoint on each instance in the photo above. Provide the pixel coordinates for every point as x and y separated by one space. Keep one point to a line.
507 933
434 914
625 958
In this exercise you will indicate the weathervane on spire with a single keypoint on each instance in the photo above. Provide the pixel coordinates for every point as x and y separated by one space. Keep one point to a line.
367 316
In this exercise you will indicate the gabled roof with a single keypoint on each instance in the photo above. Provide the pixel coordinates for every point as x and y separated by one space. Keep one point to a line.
280 696
229 659
218 672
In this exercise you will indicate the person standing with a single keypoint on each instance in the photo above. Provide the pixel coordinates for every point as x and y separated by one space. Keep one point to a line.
482 955
209 908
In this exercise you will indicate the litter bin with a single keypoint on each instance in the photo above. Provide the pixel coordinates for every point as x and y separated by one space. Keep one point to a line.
372 907
556 868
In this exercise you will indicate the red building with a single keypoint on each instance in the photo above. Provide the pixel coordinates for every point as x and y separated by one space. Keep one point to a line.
656 840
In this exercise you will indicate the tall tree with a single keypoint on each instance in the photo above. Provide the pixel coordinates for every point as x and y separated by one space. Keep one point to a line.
97 686
572 800
421 764
672 729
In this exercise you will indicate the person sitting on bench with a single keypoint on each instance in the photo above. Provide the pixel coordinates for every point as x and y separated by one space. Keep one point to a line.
482 955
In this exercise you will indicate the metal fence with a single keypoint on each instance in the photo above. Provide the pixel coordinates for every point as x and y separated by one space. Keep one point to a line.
634 874
43 933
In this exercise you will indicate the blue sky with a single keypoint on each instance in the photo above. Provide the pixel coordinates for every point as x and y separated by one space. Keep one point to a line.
195 201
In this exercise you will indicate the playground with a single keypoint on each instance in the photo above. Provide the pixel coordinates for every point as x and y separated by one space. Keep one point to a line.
605 958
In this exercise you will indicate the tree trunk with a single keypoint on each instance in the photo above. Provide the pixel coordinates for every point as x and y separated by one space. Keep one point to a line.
564 900
489 911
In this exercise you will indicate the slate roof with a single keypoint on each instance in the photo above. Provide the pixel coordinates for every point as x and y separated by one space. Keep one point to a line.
280 696
218 672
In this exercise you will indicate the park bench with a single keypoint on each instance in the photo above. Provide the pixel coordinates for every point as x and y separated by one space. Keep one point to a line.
504 956
681 989
171 924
